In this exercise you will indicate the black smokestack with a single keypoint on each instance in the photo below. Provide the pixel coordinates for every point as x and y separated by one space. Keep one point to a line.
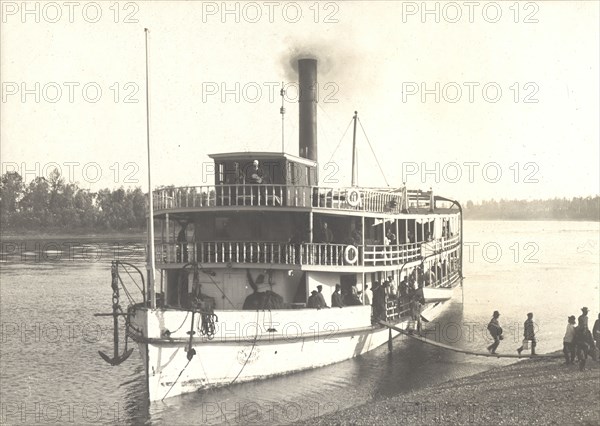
307 74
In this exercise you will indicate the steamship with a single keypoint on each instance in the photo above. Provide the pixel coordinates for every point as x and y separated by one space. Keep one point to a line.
237 261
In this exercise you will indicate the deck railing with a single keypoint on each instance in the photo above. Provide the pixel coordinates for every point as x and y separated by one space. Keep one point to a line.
279 253
268 195
253 252
381 255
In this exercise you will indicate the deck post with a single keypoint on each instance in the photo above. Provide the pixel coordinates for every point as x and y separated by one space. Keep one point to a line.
389 339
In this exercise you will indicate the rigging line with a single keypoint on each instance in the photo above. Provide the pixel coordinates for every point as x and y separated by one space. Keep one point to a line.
132 279
251 350
126 291
180 373
373 152
178 328
340 142
323 128
216 285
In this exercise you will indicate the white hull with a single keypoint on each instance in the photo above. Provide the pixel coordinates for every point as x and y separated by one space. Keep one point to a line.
240 351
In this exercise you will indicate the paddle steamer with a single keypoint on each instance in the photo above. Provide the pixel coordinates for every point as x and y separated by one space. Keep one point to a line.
237 260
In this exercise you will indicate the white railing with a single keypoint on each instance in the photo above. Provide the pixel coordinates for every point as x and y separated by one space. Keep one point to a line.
253 252
419 199
267 195
278 253
381 255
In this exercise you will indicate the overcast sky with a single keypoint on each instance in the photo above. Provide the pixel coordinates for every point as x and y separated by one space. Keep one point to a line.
516 114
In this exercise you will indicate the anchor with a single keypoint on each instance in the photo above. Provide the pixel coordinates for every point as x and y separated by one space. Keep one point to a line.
116 313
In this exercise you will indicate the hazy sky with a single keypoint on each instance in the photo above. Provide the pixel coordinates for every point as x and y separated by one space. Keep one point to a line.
510 108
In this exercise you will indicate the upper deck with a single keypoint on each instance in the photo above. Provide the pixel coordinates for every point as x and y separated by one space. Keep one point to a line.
259 196
268 180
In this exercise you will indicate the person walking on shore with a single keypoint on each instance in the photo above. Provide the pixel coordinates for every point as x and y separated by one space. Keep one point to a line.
584 343
568 341
528 333
495 331
596 335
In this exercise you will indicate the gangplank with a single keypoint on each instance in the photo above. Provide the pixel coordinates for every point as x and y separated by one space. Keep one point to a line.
463 351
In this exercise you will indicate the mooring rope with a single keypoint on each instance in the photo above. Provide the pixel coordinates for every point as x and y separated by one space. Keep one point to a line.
251 350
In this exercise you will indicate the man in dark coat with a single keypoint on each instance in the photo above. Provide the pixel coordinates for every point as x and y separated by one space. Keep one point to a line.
313 300
379 301
321 297
529 333
596 332
336 298
495 331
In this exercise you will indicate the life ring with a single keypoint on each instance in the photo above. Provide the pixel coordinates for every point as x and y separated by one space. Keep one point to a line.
350 254
353 197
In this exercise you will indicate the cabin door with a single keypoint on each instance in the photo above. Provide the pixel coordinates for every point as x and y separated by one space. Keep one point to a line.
234 286
346 282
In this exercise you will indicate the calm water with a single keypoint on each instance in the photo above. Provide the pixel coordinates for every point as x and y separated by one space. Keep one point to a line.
51 372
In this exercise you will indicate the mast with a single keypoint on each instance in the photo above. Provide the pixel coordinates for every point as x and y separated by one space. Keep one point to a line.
151 265
354 165
282 112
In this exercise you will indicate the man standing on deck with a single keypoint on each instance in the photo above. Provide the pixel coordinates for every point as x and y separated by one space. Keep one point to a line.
528 333
336 298
367 295
321 297
313 301
496 332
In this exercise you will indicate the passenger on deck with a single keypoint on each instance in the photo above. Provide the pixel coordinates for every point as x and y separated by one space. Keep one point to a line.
239 177
336 298
367 295
313 300
404 287
326 234
390 238
321 297
356 237
379 301
391 291
352 298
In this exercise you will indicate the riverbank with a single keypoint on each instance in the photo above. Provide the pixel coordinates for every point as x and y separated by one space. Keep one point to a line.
536 391
74 234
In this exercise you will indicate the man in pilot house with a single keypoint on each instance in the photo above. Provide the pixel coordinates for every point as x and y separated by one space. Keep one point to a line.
256 176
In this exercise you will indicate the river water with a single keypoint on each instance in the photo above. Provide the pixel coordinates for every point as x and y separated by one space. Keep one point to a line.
50 371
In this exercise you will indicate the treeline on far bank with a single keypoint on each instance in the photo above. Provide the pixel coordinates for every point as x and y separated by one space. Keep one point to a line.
577 208
52 205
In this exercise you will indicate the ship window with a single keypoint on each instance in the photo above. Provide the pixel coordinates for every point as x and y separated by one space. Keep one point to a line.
220 174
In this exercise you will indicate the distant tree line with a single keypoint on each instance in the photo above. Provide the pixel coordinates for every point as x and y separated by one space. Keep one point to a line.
53 205
578 208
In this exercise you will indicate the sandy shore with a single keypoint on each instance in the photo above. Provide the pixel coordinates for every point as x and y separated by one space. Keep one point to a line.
537 391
